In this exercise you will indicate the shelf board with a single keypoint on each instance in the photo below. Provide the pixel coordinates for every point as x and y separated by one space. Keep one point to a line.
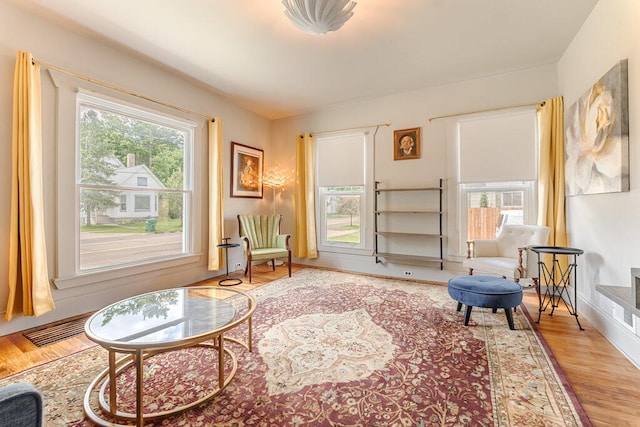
397 233
407 211
410 189
408 258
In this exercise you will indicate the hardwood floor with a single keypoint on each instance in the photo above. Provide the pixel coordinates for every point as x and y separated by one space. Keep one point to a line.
606 383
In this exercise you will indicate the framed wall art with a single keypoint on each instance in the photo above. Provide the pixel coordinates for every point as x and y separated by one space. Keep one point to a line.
596 149
406 144
246 171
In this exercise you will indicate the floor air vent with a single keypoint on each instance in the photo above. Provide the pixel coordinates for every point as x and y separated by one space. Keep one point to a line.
56 332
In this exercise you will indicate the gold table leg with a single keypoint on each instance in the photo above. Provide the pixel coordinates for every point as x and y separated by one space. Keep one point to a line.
220 361
112 382
139 388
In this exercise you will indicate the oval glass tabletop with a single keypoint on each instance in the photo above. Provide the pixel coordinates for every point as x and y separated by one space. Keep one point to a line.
165 317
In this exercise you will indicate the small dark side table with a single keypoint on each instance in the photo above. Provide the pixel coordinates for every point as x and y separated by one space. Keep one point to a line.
558 279
228 281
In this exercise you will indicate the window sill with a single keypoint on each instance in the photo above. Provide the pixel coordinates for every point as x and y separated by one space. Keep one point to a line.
345 250
99 276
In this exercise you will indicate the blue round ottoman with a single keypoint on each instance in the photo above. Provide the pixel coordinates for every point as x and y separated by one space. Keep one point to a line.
485 291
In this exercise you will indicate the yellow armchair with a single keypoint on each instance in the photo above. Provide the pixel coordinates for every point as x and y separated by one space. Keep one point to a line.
261 239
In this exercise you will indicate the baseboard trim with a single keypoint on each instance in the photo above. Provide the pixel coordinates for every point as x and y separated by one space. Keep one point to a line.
620 337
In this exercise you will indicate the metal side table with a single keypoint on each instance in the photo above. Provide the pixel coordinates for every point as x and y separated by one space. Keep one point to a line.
556 280
228 281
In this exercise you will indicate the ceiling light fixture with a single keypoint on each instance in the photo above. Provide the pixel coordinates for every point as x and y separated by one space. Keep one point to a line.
318 16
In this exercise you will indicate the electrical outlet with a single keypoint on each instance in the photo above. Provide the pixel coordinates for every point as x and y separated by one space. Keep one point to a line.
238 265
408 273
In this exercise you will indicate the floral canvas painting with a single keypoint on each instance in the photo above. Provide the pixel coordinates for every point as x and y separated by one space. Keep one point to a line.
597 137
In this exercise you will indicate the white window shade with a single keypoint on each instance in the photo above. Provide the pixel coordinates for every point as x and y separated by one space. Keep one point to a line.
498 148
340 160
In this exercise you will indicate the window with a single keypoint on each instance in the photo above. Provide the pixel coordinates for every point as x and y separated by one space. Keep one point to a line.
341 215
117 144
489 206
143 203
497 156
343 169
512 199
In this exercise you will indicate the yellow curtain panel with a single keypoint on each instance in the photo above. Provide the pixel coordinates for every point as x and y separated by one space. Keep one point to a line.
29 286
216 194
551 206
304 237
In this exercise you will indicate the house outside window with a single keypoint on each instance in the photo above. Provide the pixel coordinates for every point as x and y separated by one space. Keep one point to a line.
512 198
120 149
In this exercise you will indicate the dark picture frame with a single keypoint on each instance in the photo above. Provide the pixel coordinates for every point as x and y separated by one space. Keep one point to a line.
406 144
247 165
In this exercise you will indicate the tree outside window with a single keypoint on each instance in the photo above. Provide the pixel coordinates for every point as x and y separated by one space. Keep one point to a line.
122 149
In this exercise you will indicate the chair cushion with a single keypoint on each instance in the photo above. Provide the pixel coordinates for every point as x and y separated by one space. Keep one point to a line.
507 267
485 291
268 253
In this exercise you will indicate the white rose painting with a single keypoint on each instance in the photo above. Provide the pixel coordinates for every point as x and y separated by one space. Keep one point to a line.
596 147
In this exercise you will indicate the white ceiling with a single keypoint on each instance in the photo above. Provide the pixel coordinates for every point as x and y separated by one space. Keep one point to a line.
249 51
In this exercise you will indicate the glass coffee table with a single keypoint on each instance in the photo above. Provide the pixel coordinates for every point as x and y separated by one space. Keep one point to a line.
157 322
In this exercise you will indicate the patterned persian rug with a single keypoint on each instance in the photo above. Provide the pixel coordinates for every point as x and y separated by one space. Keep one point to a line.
337 349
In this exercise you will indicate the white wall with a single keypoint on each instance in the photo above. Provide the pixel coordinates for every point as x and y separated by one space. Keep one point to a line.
606 226
409 110
73 51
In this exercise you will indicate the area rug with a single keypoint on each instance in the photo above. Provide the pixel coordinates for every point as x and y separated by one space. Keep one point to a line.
337 349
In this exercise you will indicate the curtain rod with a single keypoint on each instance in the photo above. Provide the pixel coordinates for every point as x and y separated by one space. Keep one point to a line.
487 110
119 89
343 130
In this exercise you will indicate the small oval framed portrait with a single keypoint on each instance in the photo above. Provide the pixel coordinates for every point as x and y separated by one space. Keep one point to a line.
406 144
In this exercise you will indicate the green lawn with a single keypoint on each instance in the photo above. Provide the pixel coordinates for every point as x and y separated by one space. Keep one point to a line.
347 238
345 227
162 226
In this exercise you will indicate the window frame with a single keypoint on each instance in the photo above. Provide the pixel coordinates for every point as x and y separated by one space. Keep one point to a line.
518 184
66 269
323 195
366 202
529 206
